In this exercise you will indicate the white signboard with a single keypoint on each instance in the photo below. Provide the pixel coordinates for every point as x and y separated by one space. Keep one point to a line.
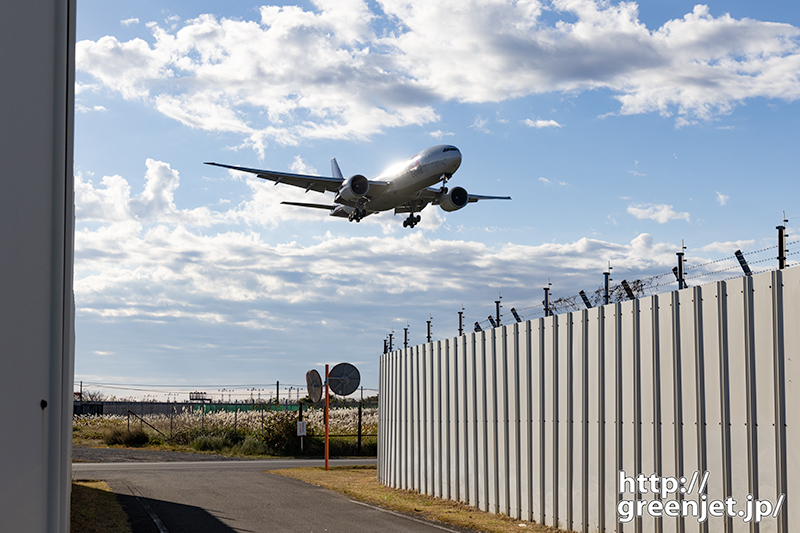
301 428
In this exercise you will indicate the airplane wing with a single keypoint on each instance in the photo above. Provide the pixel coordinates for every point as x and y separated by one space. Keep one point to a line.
307 182
476 197
431 194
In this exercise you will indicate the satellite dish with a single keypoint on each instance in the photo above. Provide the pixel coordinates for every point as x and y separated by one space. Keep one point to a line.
344 379
314 382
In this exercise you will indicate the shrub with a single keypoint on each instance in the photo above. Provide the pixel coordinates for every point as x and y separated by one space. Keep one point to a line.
211 443
280 433
253 446
133 439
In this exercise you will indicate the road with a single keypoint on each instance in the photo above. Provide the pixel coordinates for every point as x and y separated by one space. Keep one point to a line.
238 496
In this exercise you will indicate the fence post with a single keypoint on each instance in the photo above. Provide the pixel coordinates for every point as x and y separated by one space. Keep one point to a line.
235 418
359 428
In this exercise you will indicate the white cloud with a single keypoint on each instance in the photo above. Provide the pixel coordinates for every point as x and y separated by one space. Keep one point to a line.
241 76
299 166
722 199
728 247
149 260
545 181
128 22
479 124
439 134
661 213
538 124
83 109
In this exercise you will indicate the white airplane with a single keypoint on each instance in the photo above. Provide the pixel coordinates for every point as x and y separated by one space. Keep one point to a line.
406 187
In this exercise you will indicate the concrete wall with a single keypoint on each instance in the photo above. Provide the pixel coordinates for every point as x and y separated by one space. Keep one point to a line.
536 419
36 308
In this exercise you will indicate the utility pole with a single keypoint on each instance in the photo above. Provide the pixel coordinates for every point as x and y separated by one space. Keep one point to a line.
429 328
461 321
782 242
607 275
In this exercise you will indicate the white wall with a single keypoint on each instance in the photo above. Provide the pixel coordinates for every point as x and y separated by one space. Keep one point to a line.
534 420
36 220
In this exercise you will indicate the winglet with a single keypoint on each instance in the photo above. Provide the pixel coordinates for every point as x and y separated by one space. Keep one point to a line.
335 169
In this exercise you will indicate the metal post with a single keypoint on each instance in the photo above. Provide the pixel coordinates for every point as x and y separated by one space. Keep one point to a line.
681 282
326 419
782 243
384 346
607 275
278 392
547 301
301 419
743 263
585 299
391 347
461 322
405 337
497 309
429 329
359 427
628 290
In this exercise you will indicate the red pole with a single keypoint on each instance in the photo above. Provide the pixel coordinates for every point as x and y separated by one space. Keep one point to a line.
326 417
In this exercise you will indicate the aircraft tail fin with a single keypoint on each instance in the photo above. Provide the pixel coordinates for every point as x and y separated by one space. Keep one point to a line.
335 169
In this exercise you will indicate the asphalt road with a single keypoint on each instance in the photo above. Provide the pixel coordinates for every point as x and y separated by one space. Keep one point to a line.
238 496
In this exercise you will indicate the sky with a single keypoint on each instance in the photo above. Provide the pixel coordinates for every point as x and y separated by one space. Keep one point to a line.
619 130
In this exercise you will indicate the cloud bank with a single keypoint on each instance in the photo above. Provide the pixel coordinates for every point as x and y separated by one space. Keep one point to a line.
346 70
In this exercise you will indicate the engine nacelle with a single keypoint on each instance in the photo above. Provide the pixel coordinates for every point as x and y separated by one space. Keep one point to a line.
454 199
353 188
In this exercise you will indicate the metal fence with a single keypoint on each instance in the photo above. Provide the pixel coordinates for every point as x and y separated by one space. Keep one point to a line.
537 419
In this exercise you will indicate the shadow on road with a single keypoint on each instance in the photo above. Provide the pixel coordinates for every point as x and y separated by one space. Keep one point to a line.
174 517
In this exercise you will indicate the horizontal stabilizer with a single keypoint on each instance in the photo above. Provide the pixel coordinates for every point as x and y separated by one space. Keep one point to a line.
315 206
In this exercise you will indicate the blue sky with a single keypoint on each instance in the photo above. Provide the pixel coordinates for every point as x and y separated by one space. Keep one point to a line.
618 129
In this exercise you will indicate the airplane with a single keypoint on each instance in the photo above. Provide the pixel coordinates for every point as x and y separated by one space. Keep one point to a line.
406 187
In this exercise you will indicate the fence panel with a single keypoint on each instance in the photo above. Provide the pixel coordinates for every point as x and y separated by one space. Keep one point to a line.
536 419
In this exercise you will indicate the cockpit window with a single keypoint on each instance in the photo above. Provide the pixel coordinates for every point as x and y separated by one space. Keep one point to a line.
450 149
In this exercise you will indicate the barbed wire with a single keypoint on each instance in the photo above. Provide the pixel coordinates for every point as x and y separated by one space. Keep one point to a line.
640 287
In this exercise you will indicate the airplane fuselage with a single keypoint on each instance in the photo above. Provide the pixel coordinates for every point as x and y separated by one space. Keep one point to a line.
405 180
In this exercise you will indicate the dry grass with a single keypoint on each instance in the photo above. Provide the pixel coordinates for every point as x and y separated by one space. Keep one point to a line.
94 509
361 483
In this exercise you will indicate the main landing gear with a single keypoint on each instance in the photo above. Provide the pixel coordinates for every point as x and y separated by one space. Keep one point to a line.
411 221
357 215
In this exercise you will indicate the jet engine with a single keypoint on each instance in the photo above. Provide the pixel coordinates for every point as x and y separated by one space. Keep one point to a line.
353 188
454 199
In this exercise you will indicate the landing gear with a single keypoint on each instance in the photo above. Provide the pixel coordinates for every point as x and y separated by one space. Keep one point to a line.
357 215
411 221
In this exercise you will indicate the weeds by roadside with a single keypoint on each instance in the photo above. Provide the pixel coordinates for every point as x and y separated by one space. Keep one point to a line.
251 433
